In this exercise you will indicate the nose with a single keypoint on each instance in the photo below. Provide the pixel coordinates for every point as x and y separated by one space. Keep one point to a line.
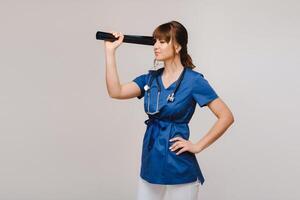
156 42
156 45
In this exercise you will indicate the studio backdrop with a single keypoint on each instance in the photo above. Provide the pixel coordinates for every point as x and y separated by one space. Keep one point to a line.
63 138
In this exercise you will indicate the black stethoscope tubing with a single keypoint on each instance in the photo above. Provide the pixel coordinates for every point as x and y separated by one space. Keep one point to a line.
170 97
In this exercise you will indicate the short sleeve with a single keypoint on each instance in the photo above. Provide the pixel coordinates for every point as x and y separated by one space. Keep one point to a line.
202 91
141 82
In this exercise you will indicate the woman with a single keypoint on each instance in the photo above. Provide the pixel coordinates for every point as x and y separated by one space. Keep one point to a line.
168 161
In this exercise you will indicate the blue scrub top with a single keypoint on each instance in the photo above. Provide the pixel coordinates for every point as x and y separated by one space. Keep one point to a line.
160 165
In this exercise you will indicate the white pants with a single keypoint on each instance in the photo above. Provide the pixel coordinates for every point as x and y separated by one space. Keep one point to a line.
149 191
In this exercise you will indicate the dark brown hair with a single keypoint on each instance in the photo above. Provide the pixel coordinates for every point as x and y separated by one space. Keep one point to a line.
178 33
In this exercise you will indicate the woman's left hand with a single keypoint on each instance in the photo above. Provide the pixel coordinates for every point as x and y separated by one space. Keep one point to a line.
185 145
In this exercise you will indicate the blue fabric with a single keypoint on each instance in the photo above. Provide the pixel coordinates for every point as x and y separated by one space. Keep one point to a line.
141 81
159 164
203 93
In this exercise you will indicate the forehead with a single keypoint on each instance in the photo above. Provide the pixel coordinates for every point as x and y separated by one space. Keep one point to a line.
164 38
162 35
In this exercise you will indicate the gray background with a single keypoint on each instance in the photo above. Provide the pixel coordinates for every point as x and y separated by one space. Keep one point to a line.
63 138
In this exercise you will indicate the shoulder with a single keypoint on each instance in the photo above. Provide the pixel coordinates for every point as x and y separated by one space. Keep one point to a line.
198 81
145 76
194 75
153 73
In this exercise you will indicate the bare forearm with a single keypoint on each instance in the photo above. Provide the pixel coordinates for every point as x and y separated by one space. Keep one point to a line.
112 78
217 130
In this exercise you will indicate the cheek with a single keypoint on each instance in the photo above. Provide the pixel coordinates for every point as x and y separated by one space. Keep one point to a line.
167 52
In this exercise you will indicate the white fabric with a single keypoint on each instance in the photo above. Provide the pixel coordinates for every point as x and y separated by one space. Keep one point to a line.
149 191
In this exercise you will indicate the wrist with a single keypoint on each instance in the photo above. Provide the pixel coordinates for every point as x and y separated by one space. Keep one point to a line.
110 51
199 148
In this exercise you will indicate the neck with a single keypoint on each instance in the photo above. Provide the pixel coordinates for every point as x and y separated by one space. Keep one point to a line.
172 67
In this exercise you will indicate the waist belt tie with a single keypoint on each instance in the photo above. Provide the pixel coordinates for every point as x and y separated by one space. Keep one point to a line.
158 124
161 122
154 121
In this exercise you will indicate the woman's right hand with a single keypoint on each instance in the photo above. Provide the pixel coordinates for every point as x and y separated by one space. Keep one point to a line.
112 46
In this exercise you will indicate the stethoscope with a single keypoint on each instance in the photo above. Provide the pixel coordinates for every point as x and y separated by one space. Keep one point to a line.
170 98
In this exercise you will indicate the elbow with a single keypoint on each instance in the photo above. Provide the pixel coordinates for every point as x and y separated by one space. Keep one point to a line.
113 96
231 119
228 118
114 93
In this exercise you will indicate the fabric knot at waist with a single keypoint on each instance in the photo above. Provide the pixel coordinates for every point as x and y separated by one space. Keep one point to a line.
161 122
152 121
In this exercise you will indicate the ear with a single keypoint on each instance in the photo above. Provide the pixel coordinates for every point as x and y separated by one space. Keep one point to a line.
177 48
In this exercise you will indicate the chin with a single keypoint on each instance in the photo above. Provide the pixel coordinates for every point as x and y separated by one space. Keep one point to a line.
159 58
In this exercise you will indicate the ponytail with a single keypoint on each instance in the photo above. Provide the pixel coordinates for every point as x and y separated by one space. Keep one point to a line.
185 58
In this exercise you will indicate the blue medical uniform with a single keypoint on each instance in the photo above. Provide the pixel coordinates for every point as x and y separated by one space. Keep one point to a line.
160 165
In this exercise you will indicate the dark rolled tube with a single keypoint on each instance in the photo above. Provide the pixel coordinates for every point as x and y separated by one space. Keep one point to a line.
136 39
